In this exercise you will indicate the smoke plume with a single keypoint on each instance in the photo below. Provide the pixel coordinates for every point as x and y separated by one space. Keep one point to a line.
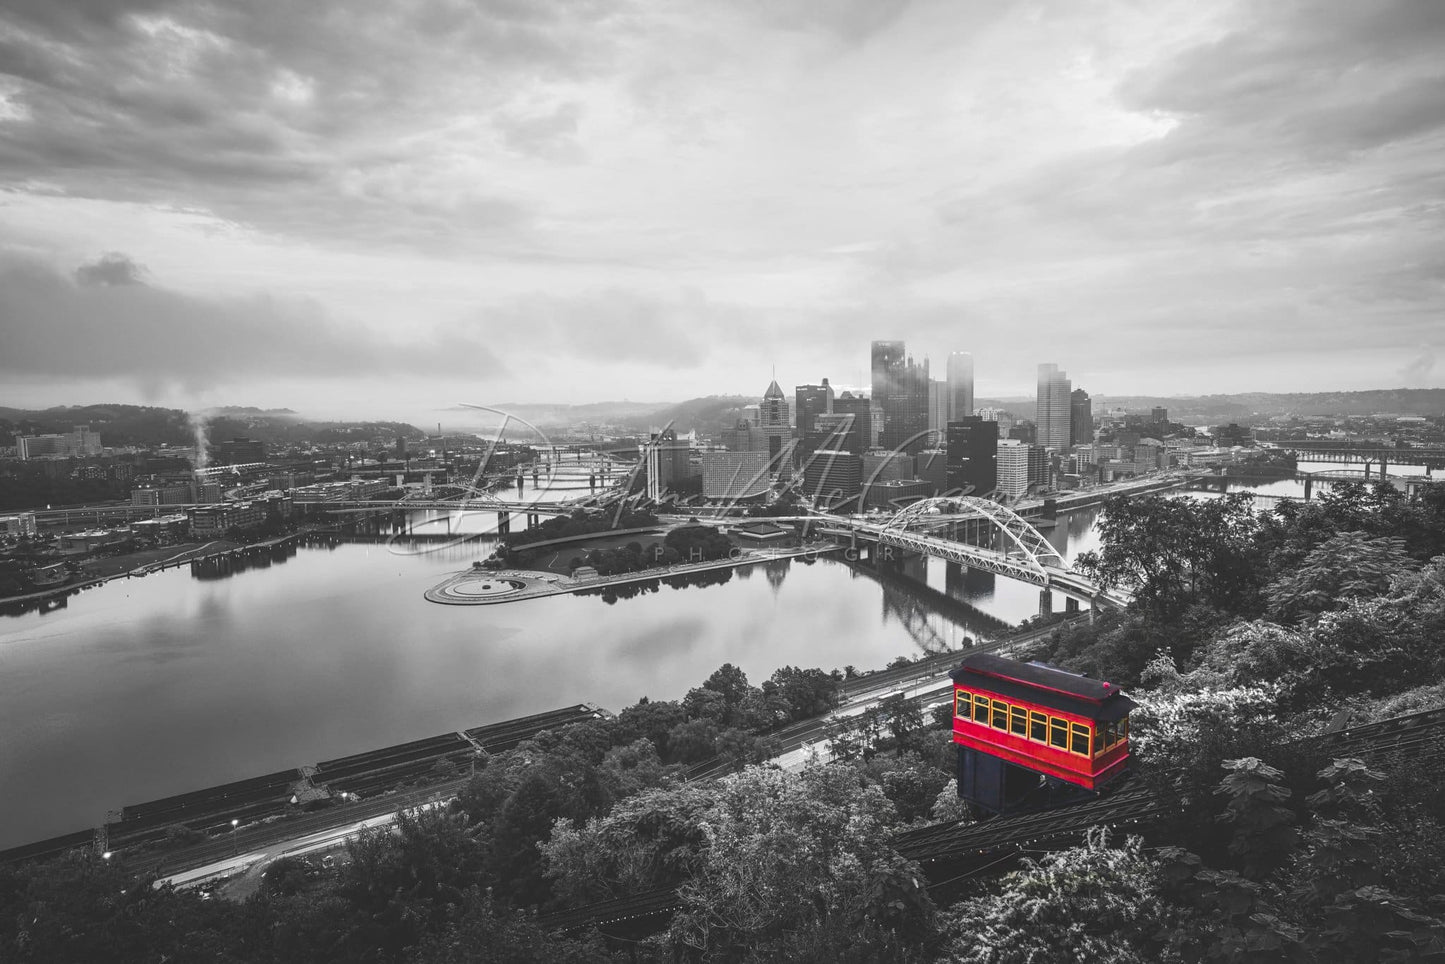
198 432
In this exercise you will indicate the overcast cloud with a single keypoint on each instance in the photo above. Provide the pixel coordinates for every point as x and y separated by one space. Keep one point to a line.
521 200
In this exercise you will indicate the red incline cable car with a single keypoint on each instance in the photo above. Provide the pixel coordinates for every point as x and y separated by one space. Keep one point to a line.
1014 722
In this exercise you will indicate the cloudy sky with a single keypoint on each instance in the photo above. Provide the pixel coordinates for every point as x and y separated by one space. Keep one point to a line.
361 207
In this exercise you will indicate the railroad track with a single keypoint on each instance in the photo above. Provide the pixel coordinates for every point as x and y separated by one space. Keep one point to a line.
944 847
217 806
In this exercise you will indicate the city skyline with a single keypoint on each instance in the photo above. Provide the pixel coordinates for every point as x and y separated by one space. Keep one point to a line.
348 213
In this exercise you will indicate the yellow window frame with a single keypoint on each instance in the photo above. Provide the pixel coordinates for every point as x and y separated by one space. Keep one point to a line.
1058 725
1037 719
1018 721
1078 731
998 719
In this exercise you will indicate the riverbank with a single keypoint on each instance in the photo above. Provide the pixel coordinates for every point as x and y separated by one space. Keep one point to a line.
98 572
485 587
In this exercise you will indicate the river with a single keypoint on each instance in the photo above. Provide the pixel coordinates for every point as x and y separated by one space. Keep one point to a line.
147 687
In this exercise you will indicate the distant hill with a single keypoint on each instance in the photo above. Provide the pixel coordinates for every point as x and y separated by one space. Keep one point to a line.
121 425
1216 408
708 415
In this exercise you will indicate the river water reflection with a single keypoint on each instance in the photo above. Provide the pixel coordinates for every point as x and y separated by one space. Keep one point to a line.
186 678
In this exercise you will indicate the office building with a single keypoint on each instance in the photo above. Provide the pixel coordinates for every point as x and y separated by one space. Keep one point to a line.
744 437
972 456
847 427
74 444
735 476
214 521
1040 467
240 451
162 492
1002 416
900 398
883 466
895 494
810 401
887 362
1081 418
865 429
960 385
833 478
937 411
1052 410
1160 416
931 465
773 420
666 462
19 525
1013 469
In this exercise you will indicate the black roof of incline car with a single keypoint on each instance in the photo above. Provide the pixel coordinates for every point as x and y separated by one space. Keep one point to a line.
1044 685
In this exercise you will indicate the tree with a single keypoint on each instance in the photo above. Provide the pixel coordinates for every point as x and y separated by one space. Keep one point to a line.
798 866
1264 832
807 692
484 933
1170 552
1347 566
649 841
1092 903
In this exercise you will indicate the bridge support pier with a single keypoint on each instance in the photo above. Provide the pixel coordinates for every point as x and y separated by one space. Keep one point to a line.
1309 484
1071 605
504 522
1046 602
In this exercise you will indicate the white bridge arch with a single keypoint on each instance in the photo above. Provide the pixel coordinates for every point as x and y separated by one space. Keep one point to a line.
1022 554
1022 541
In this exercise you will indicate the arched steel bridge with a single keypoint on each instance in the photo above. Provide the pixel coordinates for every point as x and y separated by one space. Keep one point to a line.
1022 553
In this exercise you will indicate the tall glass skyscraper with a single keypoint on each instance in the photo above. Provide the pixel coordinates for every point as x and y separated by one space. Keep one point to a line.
1053 413
886 371
1082 418
960 385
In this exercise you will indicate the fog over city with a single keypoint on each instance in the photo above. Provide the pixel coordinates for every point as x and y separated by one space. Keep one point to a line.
385 209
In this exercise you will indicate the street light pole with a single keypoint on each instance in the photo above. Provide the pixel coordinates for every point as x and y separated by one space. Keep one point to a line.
234 846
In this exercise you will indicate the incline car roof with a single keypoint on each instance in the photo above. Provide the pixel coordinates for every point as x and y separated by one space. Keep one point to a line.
1044 685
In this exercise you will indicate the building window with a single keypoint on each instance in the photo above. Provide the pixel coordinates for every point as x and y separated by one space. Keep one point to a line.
1039 727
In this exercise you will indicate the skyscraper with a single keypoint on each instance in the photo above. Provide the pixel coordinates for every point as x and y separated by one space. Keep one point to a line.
973 456
938 417
960 385
1013 468
1053 412
848 427
773 419
904 405
887 363
811 400
1081 418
